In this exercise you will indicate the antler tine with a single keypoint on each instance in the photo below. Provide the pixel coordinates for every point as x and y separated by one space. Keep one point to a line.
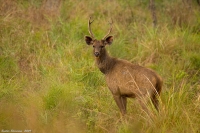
109 29
89 28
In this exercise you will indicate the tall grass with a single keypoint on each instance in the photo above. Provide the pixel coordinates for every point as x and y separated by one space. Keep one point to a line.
49 81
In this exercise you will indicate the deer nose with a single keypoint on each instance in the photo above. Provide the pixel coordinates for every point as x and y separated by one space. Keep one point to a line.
96 54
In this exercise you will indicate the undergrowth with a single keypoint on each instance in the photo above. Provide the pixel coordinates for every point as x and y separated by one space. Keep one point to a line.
49 81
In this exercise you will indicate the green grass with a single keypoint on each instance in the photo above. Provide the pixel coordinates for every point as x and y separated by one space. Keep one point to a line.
49 81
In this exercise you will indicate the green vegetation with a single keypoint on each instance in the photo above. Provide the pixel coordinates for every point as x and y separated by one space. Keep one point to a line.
49 82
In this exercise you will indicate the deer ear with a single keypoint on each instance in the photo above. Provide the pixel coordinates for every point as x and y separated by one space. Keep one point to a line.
109 40
88 40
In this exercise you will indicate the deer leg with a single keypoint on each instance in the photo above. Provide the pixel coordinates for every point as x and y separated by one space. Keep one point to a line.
121 103
155 102
124 102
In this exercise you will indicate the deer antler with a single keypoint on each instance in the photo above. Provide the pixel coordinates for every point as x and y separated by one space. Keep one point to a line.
109 29
89 28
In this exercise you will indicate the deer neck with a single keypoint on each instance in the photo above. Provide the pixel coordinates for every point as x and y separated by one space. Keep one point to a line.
104 62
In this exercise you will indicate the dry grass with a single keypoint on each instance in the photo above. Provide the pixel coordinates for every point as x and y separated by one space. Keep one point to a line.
49 82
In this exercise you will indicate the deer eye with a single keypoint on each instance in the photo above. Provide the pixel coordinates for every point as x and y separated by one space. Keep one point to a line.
102 46
93 46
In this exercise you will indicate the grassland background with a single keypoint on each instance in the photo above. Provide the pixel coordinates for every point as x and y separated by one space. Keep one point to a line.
49 82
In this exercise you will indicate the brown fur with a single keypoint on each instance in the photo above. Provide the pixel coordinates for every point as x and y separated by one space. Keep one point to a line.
124 79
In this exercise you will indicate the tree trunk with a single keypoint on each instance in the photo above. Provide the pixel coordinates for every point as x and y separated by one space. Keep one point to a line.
153 12
198 1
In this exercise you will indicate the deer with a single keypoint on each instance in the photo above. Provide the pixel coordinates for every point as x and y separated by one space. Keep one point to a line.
124 79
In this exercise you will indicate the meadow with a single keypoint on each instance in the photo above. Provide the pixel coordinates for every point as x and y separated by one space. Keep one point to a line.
49 82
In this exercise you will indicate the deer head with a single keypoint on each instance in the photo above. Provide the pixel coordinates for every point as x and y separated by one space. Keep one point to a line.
98 45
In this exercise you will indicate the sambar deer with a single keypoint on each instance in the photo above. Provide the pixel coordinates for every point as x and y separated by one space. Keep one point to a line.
124 79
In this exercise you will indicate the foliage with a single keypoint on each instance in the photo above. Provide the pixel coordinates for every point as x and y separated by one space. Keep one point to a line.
49 81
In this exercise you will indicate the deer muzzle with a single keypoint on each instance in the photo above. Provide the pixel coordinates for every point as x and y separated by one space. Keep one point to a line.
96 54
